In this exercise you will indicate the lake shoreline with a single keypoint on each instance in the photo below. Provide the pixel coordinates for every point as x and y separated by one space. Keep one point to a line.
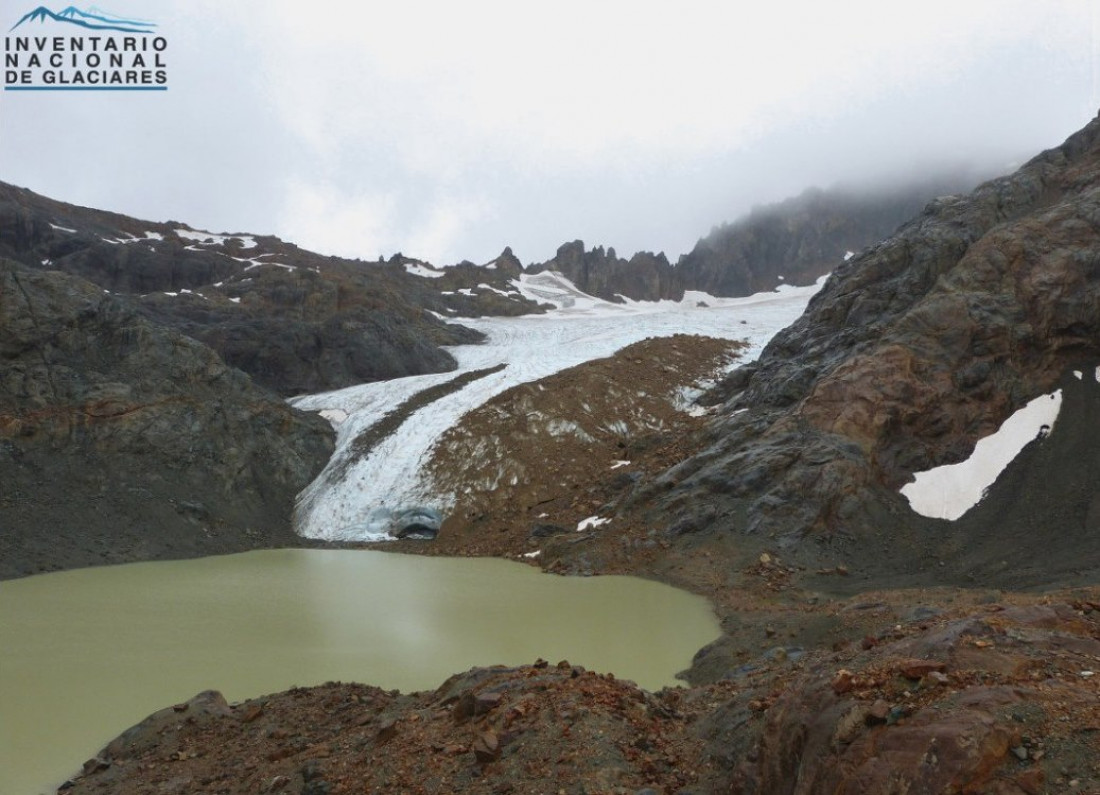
118 642
490 729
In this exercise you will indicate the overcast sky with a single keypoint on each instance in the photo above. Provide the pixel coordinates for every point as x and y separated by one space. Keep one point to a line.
448 130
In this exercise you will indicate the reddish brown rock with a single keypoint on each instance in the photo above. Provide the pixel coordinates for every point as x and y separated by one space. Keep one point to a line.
878 713
842 682
471 705
486 747
918 669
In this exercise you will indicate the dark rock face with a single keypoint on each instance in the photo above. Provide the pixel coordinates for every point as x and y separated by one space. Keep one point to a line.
123 441
296 352
801 239
793 242
911 352
508 263
644 277
296 321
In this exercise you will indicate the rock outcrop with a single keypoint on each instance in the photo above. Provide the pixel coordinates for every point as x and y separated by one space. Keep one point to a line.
644 277
803 238
792 242
296 321
121 441
978 704
911 352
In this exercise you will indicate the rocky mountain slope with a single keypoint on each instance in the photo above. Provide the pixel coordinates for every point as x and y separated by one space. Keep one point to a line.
802 238
602 273
911 352
791 242
530 465
121 440
299 322
294 320
846 663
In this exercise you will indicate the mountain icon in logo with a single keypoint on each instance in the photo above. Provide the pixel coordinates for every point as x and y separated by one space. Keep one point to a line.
92 18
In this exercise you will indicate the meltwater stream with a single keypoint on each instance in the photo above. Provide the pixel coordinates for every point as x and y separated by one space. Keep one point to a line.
85 654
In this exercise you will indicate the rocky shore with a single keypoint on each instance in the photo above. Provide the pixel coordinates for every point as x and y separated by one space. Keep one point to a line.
982 695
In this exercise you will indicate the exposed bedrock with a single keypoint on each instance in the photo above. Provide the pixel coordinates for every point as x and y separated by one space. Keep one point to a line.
910 353
120 440
791 242
296 321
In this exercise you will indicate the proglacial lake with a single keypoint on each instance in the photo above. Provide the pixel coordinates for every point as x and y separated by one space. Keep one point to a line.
85 654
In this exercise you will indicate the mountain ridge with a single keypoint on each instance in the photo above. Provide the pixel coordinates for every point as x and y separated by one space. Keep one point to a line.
864 648
794 241
911 351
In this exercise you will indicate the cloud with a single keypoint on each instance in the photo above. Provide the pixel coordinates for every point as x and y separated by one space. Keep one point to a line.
449 130
580 80
447 219
323 217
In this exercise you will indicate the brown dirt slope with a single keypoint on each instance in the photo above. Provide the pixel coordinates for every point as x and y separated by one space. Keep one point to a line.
534 461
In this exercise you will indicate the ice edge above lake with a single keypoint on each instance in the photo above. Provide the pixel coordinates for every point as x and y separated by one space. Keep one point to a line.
354 500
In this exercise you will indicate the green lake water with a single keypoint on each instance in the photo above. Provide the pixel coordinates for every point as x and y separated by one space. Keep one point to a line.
85 654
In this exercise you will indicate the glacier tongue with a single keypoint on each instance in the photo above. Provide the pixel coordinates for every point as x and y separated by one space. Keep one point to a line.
363 495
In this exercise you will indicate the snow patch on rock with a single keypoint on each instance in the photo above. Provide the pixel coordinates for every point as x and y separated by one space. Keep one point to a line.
423 271
210 239
949 491
591 522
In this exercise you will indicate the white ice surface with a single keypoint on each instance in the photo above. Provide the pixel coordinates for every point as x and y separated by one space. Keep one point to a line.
257 262
63 229
495 290
390 477
417 269
210 239
591 521
334 416
126 237
949 491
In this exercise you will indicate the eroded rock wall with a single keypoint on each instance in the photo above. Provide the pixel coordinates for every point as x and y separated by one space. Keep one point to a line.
120 440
